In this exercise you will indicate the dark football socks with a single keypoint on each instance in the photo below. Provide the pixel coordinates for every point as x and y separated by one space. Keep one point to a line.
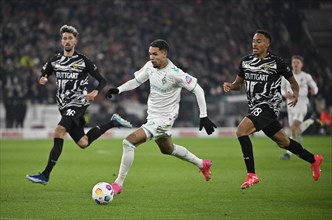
247 151
54 155
97 131
298 150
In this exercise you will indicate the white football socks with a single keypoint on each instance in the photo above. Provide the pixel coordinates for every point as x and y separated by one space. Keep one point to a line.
126 161
184 154
304 125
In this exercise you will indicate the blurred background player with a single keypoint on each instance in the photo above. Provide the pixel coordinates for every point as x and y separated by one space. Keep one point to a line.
71 70
166 82
261 72
296 114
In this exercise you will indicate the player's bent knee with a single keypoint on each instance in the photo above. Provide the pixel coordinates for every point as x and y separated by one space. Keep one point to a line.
82 146
83 143
283 143
166 151
127 145
240 133
59 132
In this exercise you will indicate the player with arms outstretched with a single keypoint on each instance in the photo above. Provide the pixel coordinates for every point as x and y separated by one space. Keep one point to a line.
71 70
261 73
166 82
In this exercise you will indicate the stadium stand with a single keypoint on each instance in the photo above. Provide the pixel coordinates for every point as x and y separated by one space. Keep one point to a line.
207 39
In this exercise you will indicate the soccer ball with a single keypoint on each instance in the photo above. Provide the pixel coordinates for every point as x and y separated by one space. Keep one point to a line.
102 193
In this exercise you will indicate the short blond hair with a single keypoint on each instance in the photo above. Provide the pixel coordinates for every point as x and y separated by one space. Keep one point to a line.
298 57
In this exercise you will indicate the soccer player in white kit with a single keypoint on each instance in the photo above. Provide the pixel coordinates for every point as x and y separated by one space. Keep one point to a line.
166 82
297 113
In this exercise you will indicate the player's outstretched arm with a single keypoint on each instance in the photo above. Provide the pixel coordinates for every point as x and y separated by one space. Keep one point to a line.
205 122
129 85
91 95
236 85
112 91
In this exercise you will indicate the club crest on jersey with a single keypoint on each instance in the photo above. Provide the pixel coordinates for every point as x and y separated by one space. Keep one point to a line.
245 64
75 66
188 79
266 67
164 80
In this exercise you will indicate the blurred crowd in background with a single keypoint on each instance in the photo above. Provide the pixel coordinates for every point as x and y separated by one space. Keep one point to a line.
207 39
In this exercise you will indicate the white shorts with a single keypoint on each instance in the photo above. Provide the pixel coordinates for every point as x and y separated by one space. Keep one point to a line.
158 128
296 114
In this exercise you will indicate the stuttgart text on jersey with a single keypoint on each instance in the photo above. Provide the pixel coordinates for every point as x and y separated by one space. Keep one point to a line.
71 79
262 83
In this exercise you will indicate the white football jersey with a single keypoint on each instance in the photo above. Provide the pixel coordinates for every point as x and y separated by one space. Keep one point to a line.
305 82
165 88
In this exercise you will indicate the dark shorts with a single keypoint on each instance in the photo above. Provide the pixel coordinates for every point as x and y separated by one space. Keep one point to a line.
73 120
265 119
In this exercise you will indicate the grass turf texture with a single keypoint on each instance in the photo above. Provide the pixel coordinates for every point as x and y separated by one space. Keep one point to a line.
164 187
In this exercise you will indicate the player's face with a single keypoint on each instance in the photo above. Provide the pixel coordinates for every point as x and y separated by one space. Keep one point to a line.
259 45
158 57
68 41
297 65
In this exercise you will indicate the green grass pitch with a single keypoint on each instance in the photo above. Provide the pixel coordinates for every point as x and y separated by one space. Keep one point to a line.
164 187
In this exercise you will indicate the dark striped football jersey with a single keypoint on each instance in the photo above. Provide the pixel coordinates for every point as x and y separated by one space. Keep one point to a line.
263 80
72 78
